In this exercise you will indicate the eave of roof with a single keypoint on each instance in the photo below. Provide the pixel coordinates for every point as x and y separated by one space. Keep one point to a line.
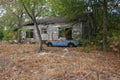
47 21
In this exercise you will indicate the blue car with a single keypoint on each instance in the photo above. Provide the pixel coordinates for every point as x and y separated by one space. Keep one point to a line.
62 43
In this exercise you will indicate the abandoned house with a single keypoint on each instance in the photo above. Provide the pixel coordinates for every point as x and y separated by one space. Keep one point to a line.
53 28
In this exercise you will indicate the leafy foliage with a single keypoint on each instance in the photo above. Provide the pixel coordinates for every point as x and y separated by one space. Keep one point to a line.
8 26
67 8
9 34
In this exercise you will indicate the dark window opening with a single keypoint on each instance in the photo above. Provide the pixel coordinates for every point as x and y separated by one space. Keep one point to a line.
44 30
30 34
65 32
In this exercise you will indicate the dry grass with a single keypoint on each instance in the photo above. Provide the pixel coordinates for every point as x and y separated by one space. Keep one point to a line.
21 62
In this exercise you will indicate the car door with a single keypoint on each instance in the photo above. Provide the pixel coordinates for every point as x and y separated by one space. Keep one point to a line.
62 43
59 43
55 43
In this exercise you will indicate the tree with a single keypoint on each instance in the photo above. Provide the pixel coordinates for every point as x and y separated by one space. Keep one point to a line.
34 9
18 12
105 25
8 26
14 9
99 8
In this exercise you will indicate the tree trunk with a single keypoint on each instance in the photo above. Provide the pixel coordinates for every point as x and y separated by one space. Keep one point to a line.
19 36
105 22
33 18
39 37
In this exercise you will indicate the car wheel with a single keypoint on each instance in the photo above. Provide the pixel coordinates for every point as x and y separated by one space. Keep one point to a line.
49 45
70 45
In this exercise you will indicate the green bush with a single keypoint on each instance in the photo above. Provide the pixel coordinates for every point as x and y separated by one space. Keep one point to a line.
9 35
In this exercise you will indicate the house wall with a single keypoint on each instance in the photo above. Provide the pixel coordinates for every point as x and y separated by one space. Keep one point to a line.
77 31
53 31
24 34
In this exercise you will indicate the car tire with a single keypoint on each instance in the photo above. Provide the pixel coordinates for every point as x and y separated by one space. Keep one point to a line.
49 45
70 45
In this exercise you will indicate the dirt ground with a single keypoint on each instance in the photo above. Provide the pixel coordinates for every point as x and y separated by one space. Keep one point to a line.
22 62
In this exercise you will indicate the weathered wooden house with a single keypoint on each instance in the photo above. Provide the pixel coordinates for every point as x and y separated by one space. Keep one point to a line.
53 28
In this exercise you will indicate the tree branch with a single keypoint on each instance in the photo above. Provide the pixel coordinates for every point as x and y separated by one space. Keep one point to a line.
28 12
